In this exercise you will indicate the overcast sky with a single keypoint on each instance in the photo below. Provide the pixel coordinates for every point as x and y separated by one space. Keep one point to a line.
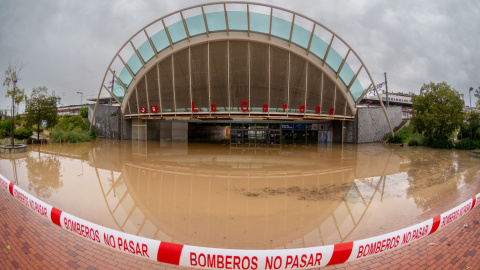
67 45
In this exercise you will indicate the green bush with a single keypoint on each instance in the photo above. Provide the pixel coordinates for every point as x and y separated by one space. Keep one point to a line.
442 142
84 112
402 135
396 139
5 127
6 124
471 127
72 136
22 133
413 142
71 122
416 140
72 129
468 144
93 135
3 133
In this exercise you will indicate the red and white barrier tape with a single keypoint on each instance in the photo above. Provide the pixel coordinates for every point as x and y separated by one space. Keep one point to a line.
214 258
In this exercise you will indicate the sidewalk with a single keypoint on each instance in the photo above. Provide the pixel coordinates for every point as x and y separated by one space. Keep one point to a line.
36 243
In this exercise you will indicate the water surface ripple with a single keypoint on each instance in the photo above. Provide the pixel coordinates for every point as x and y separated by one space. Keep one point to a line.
212 195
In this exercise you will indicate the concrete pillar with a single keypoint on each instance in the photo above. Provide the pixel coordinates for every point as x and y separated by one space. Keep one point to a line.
179 131
166 131
153 130
139 129
127 129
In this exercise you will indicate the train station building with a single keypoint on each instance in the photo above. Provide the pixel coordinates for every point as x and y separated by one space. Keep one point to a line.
244 72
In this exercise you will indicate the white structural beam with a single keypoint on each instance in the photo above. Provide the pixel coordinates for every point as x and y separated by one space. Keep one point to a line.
228 35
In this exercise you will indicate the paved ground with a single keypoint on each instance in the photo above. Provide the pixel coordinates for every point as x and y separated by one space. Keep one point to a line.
29 242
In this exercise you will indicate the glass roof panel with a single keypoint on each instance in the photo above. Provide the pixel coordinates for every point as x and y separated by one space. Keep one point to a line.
237 20
340 47
318 47
134 63
300 36
118 91
125 77
356 90
196 25
259 23
364 81
177 32
117 66
160 40
334 60
346 74
216 21
146 51
281 28
140 41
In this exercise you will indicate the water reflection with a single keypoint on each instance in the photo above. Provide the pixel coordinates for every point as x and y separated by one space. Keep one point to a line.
216 196
271 197
43 174
437 169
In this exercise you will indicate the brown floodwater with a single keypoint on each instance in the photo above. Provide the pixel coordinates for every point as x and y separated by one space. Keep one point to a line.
226 196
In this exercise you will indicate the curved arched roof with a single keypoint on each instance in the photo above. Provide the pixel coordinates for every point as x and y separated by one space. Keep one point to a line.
249 52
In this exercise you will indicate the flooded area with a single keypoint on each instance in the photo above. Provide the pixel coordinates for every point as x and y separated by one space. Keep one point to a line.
213 195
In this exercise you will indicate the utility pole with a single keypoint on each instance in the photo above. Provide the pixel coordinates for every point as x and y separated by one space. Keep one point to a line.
470 95
113 80
386 87
113 83
470 109
81 98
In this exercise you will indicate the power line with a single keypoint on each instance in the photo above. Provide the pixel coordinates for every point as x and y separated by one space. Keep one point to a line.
77 80
406 79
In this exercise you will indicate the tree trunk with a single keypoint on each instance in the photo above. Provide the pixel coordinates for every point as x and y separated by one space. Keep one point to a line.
38 125
12 139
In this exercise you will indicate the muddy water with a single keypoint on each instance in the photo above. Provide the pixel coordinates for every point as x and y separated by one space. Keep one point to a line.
255 198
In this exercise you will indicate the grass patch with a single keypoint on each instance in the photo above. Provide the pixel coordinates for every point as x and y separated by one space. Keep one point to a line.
402 135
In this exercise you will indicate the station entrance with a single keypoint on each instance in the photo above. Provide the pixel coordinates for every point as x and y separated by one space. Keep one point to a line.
252 133
280 133
261 133
234 132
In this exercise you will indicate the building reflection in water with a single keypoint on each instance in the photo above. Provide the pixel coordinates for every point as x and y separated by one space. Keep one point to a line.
255 198
212 195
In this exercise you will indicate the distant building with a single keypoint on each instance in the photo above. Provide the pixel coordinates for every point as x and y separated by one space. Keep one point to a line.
470 109
394 99
70 110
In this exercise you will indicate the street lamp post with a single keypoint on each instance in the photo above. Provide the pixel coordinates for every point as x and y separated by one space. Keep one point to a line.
81 98
470 108
470 95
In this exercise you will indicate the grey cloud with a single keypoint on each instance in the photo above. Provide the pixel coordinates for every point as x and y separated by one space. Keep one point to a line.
67 45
